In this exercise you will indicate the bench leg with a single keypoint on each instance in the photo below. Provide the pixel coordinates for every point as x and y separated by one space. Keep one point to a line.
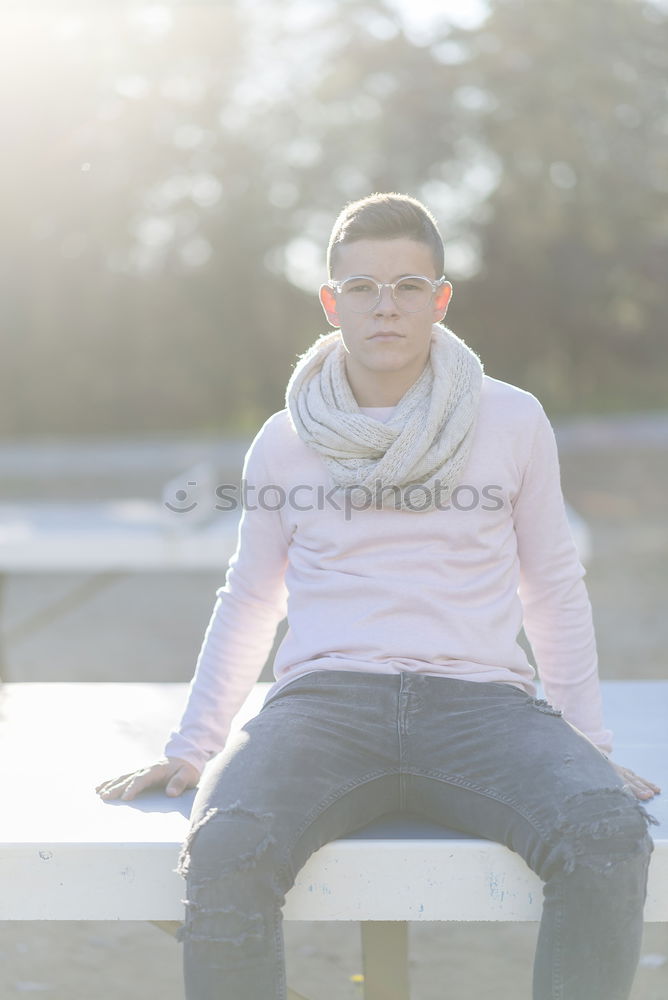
385 959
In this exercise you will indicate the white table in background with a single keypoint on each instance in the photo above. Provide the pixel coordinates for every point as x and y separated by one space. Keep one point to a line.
108 539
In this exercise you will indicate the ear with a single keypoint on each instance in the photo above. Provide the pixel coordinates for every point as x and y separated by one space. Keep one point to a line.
442 301
328 303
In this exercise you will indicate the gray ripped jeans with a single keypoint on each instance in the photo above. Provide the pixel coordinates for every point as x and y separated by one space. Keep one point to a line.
334 750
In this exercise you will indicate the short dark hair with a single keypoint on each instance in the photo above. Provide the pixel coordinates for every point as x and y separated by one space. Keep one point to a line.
385 217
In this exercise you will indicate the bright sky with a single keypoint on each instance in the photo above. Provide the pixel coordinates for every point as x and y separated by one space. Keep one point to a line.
419 14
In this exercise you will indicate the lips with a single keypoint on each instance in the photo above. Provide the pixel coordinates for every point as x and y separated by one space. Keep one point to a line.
385 335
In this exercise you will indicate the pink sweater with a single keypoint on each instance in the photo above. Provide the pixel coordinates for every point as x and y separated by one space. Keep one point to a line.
442 592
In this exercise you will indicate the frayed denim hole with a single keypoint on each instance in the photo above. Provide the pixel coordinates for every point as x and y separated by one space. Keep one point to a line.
544 706
246 859
600 828
221 924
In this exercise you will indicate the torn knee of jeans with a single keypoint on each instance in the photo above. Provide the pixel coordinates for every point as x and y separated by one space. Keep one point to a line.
222 924
601 827
544 706
247 859
183 862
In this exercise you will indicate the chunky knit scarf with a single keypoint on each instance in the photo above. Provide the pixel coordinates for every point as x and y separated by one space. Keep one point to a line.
412 462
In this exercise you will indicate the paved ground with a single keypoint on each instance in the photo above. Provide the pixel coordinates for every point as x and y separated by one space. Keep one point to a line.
150 627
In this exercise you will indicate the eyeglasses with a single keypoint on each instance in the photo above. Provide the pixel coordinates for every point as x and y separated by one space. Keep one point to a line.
410 294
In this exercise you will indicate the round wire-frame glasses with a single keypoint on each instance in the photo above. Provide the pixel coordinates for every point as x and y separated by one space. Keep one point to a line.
410 293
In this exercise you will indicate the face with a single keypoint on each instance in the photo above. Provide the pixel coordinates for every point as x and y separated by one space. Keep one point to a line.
386 340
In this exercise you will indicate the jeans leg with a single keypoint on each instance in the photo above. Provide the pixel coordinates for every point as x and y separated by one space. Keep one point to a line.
491 761
317 762
593 900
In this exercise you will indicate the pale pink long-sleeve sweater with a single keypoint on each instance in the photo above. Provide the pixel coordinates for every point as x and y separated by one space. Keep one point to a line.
442 592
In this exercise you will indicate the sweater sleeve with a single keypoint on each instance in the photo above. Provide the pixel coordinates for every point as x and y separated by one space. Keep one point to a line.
240 633
557 612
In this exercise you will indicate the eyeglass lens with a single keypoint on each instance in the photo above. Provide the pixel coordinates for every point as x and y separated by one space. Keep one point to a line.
363 294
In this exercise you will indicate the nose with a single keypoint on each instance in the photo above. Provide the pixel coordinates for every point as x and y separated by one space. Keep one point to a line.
386 304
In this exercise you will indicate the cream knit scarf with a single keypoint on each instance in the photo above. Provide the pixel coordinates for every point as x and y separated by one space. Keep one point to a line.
412 462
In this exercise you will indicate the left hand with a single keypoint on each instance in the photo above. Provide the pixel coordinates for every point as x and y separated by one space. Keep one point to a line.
641 787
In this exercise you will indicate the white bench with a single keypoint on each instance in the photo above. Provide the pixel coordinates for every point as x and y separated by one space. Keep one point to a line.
66 855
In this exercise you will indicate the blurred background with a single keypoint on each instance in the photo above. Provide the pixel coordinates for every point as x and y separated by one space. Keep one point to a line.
170 175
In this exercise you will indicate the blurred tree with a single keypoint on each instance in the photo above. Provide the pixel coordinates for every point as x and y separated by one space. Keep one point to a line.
570 98
540 135
175 171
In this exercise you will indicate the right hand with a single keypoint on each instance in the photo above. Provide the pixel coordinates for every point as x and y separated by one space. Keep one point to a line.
171 773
